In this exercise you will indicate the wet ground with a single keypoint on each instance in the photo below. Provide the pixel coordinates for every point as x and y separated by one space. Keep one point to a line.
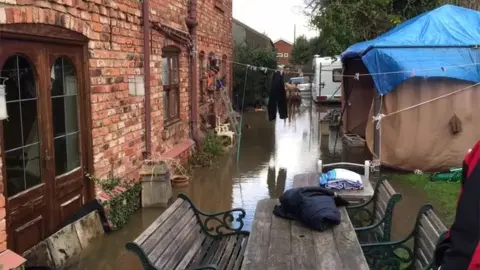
271 154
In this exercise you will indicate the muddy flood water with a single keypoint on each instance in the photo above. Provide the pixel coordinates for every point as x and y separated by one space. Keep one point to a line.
271 154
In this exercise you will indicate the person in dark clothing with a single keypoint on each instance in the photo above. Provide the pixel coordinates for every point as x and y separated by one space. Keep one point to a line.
460 248
278 98
315 207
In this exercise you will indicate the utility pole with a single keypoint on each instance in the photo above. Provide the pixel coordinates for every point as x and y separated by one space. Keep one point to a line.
294 34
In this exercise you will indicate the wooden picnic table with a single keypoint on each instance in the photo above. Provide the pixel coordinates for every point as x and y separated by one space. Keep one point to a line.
277 243
311 180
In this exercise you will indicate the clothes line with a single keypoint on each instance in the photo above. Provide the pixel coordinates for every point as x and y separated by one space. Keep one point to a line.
356 76
379 117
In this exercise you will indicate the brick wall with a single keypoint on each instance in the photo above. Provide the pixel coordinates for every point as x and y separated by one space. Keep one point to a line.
283 47
115 35
214 35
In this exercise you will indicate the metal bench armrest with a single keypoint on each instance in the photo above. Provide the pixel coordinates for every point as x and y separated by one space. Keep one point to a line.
219 224
388 254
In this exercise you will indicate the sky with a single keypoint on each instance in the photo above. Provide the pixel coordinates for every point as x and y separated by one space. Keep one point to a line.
276 18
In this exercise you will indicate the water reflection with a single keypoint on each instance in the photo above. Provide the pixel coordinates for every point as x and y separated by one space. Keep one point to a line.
271 154
276 181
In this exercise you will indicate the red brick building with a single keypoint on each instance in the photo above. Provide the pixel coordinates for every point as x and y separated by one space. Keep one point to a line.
283 48
80 99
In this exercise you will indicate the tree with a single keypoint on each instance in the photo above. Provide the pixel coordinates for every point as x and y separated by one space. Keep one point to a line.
317 46
257 85
301 52
346 22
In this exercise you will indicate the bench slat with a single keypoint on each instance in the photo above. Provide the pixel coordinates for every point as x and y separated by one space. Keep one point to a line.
428 235
178 236
191 252
165 227
207 244
228 251
424 236
236 252
425 250
220 251
438 224
158 222
163 244
389 188
428 227
239 260
183 249
211 252
421 257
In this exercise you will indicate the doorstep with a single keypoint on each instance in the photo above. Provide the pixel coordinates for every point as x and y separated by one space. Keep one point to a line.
178 149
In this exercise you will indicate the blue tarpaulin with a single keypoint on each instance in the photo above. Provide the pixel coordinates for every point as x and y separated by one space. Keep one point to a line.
440 43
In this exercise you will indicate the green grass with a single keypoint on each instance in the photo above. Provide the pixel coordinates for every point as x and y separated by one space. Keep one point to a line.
443 195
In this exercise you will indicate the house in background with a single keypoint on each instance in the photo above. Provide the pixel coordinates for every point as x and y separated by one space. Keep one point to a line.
95 87
284 48
245 35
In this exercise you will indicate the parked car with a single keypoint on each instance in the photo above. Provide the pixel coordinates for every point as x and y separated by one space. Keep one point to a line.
303 85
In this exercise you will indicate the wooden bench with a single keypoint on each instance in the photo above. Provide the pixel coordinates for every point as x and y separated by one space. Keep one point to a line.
184 237
415 251
373 219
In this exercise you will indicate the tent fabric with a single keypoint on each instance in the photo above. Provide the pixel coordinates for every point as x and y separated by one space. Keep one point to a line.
420 47
422 138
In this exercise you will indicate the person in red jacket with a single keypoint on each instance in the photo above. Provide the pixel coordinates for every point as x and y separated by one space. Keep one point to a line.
460 248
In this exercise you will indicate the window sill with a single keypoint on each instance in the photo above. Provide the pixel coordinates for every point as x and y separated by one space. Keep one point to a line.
174 127
170 122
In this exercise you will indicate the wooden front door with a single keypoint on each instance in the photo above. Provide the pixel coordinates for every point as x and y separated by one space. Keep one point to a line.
42 156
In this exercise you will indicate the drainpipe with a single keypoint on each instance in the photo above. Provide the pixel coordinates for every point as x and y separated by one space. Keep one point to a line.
146 67
191 22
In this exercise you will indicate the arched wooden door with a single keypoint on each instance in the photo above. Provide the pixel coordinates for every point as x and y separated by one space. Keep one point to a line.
43 166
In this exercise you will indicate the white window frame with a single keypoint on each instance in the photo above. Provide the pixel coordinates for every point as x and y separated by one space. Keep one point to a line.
285 55
337 77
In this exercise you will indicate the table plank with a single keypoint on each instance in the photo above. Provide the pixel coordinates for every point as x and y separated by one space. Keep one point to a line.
311 180
256 253
303 247
279 250
277 243
348 245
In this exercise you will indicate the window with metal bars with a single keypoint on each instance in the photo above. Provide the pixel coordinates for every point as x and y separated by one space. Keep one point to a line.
170 82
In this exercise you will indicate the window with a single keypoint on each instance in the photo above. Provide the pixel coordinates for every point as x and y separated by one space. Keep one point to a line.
279 54
20 132
337 75
201 76
285 55
64 115
170 82
212 70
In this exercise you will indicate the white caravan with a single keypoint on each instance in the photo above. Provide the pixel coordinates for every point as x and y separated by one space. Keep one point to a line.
327 79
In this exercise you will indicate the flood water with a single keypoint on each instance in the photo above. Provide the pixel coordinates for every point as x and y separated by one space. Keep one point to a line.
271 154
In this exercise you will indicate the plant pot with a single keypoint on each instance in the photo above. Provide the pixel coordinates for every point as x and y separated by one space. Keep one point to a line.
180 181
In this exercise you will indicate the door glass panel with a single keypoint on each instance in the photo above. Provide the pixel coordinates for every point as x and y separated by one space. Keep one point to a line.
20 131
65 116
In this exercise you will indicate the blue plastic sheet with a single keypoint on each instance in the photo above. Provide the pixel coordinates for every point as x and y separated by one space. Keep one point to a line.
439 43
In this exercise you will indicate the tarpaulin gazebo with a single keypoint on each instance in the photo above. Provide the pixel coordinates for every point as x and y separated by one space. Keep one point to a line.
432 55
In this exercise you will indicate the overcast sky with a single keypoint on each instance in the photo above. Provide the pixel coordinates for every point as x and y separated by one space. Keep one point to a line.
276 18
